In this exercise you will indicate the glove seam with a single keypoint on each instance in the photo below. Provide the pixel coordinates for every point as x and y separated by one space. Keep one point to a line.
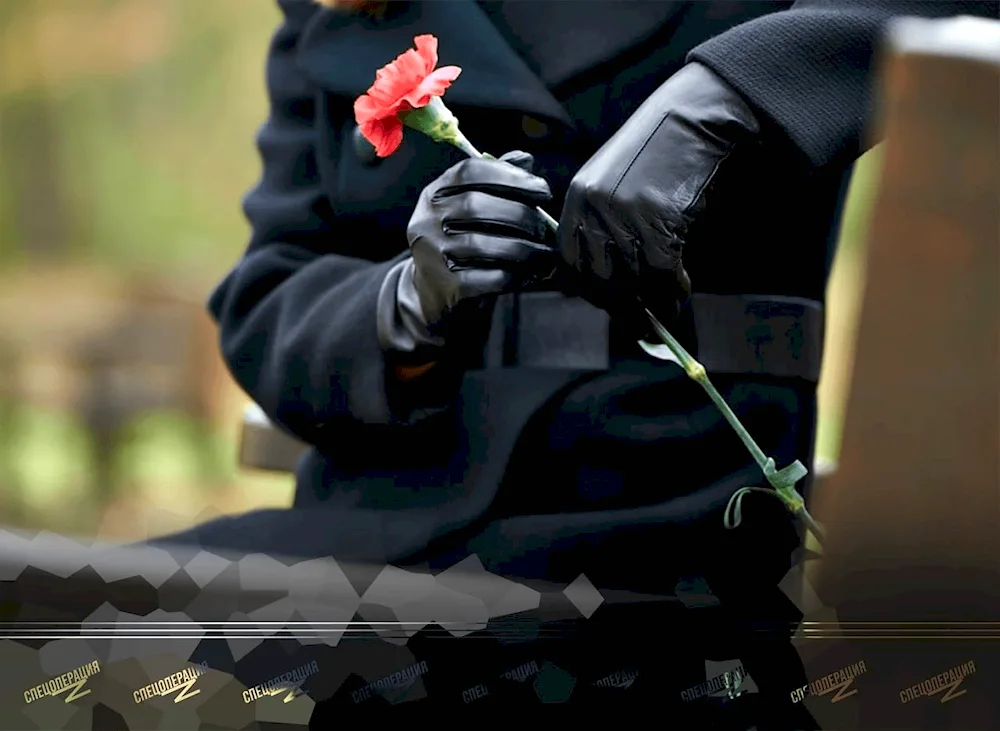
635 157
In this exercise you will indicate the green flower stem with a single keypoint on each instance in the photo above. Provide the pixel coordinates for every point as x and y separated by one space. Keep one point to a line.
440 124
465 146
783 481
696 372
551 222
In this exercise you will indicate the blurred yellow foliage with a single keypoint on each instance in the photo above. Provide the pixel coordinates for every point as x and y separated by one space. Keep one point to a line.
55 43
126 142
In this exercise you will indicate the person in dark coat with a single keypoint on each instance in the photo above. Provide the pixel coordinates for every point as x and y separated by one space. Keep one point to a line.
470 383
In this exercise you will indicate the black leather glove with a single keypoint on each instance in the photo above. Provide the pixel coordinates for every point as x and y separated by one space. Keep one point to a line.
685 155
475 234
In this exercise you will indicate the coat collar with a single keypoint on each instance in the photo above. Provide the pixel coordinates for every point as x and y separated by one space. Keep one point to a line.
341 53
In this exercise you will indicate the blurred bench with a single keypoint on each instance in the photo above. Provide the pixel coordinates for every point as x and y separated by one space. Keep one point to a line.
265 446
109 350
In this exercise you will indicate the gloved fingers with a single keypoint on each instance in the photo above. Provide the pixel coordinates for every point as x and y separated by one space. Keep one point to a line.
606 260
489 176
663 283
472 284
483 251
520 159
580 244
482 212
613 271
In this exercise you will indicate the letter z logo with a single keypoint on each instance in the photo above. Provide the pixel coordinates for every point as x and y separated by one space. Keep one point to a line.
951 688
75 687
184 687
294 691
841 695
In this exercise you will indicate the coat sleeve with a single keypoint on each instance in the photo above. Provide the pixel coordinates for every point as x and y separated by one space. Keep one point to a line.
808 68
297 314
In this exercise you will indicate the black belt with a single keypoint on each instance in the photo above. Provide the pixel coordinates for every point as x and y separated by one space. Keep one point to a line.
760 334
736 334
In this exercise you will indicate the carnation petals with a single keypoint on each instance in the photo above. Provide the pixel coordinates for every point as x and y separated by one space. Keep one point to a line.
407 83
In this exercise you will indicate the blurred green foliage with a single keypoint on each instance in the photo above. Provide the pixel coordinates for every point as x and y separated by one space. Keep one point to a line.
844 293
143 114
127 142
160 469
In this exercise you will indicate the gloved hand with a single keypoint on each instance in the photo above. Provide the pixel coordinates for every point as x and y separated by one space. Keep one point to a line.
474 234
684 156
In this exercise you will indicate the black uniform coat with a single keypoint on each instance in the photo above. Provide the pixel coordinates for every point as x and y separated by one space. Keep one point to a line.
563 450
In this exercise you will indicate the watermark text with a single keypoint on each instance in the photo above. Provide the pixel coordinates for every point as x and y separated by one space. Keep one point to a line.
72 682
946 683
399 679
839 681
728 681
622 680
289 683
180 683
518 674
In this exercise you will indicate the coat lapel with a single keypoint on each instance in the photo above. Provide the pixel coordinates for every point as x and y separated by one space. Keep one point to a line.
563 39
341 53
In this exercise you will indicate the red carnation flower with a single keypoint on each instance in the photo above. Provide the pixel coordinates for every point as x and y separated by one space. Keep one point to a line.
408 83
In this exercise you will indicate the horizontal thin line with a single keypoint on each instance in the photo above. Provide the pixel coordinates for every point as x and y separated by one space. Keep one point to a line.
92 635
916 630
900 637
205 623
831 623
189 630
323 627
228 637
201 624
306 625
30 636
277 630
361 626
915 633
480 634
